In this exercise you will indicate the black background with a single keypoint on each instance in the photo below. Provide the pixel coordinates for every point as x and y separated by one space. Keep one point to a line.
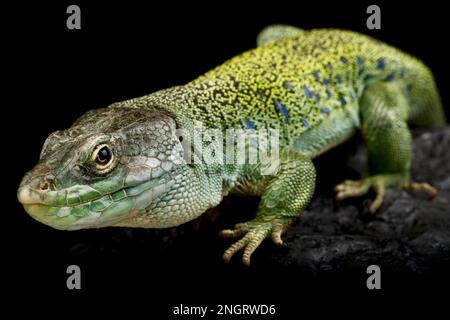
126 50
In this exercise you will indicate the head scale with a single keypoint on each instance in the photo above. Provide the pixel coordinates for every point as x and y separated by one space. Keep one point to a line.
106 168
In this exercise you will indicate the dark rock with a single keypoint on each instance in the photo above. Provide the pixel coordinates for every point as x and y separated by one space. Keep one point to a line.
409 232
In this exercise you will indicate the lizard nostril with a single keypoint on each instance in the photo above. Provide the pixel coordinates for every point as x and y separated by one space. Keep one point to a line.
44 186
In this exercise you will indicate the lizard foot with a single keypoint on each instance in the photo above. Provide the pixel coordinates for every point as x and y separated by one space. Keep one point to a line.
357 188
253 232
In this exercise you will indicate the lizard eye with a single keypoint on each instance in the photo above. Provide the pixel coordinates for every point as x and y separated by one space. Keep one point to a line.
103 156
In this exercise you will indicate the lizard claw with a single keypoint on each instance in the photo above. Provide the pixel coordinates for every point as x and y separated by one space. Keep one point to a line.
255 233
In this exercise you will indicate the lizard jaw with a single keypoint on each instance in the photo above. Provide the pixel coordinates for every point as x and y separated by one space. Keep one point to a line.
105 210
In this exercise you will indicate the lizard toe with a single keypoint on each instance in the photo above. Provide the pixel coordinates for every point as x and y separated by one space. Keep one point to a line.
239 230
351 188
253 238
423 187
379 189
277 231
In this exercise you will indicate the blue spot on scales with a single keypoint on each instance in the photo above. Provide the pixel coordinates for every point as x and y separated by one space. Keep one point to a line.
289 86
339 79
389 77
367 77
316 75
326 81
249 124
344 60
305 123
325 110
307 92
359 60
282 110
342 101
381 64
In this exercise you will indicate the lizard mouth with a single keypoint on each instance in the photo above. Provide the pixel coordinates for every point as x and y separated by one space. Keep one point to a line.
89 208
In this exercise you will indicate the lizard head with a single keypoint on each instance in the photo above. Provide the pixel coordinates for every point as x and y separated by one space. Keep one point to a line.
108 166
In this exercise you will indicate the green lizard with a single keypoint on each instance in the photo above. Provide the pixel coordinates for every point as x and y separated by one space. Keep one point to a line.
125 165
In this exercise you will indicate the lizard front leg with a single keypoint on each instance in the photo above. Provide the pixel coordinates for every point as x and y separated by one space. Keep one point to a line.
384 111
283 199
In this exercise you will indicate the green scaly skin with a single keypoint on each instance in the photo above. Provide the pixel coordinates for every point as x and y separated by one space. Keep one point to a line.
316 87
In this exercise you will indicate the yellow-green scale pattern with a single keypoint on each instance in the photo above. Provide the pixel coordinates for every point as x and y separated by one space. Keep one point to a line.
293 83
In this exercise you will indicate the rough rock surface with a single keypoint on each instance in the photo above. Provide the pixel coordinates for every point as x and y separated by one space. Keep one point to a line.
408 234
